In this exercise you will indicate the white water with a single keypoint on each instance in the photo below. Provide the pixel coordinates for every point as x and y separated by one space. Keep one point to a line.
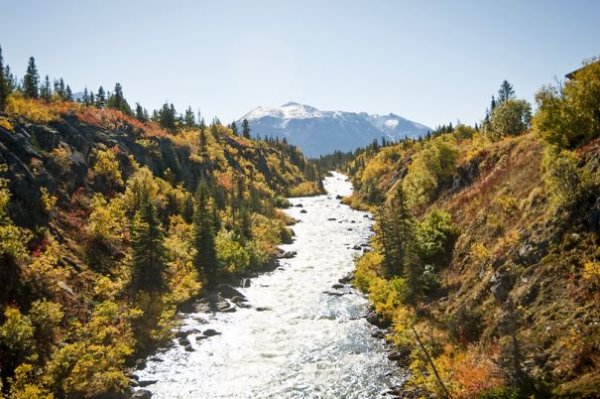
308 344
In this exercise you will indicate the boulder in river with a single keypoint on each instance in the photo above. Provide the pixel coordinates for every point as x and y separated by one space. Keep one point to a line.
145 383
287 255
374 319
337 286
303 211
228 291
141 394
211 332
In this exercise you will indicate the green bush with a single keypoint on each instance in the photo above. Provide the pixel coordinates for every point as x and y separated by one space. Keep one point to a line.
436 236
510 118
569 116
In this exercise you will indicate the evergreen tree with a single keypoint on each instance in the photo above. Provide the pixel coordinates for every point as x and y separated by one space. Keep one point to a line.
92 98
31 80
166 116
59 88
101 98
506 92
205 260
46 90
234 128
246 129
117 101
5 84
11 80
189 119
141 113
492 104
85 99
148 249
68 93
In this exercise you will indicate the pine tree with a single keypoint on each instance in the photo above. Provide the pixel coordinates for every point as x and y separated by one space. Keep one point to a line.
234 128
203 146
205 260
86 96
246 129
492 104
148 249
118 101
141 113
31 80
101 98
506 92
59 88
166 116
5 88
189 119
46 90
68 93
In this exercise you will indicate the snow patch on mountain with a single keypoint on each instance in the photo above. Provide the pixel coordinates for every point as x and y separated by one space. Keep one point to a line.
321 132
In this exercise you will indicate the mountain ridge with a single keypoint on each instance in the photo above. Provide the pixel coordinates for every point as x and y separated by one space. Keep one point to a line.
320 132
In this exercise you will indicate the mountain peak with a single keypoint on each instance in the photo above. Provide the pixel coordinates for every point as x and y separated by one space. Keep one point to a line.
319 132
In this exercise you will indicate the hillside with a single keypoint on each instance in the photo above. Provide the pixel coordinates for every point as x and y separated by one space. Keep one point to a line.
486 248
111 223
319 132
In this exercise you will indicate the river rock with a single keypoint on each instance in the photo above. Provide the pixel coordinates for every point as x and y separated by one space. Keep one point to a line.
141 394
303 211
211 332
184 341
145 383
299 206
239 299
229 292
188 348
374 319
287 255
140 364
346 279
262 308
332 219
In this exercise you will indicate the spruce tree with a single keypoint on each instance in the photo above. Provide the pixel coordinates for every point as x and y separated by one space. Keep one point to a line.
140 113
68 93
234 128
4 83
117 101
205 260
31 80
86 96
189 119
101 98
148 249
46 90
246 129
506 92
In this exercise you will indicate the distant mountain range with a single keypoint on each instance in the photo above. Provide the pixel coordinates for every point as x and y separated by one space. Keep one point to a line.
319 132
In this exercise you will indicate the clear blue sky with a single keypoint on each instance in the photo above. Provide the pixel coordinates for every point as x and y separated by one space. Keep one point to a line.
430 61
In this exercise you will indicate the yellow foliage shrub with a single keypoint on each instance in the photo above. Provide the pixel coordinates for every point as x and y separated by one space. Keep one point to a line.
5 123
34 110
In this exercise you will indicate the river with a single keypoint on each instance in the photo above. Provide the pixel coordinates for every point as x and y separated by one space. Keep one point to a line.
300 338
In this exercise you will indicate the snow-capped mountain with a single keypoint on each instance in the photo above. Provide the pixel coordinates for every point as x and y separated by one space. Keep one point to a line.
319 132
